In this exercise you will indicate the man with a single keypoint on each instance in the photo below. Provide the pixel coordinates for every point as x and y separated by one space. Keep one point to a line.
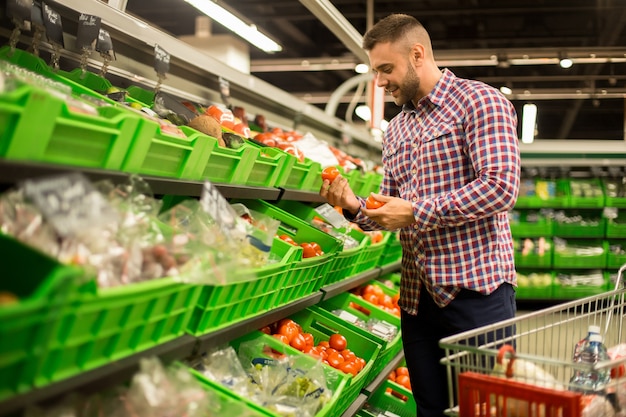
452 167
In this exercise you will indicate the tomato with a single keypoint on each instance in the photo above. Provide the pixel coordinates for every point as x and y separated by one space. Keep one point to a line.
349 367
348 355
404 381
318 249
242 130
371 298
330 173
338 342
266 330
290 330
402 370
266 138
307 250
308 338
298 342
324 344
372 203
281 337
214 111
335 359
287 239
392 376
376 236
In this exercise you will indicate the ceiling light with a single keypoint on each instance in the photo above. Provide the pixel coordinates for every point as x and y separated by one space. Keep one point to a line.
361 68
506 90
235 24
529 119
566 63
363 112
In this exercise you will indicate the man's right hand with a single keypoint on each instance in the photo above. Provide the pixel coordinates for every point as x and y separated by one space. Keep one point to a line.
339 193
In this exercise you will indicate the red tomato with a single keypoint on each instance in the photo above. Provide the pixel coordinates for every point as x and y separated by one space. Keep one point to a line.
242 130
214 111
335 359
298 342
308 338
404 381
318 249
287 239
330 173
290 330
402 370
349 367
266 138
307 250
266 330
372 203
338 342
281 337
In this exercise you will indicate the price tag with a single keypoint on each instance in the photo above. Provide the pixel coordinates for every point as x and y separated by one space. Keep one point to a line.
20 11
214 203
390 414
347 316
54 26
383 329
328 213
69 203
105 44
161 60
88 30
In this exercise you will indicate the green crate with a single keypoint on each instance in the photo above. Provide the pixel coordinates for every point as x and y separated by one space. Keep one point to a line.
360 182
322 326
372 254
616 253
41 127
357 307
566 291
269 165
43 287
336 381
109 324
302 175
219 306
614 192
530 223
595 229
344 263
578 260
230 166
534 284
141 95
586 193
87 79
153 152
533 259
547 193
382 399
392 252
616 227
309 273
374 186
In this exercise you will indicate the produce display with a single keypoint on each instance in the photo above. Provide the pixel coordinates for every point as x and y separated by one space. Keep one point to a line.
375 294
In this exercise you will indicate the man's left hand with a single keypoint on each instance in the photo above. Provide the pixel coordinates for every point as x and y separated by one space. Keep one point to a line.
396 213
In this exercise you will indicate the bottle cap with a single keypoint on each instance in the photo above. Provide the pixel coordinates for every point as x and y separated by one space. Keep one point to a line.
595 337
594 329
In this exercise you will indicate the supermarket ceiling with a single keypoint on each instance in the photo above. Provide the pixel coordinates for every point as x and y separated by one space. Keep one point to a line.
513 43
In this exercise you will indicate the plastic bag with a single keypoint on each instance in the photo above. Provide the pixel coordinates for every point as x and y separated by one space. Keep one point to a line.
260 230
223 366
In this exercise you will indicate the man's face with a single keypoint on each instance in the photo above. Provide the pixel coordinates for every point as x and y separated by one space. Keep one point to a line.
394 72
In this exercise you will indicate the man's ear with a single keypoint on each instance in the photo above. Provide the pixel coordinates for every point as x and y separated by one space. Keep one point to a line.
417 54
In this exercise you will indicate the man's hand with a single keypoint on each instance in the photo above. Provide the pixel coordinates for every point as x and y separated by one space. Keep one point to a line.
339 193
395 214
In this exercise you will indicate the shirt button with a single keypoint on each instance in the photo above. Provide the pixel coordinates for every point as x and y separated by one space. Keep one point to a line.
414 198
413 171
415 145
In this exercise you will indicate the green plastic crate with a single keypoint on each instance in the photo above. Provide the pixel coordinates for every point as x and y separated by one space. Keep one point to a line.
586 193
616 228
41 127
615 253
43 287
141 94
309 273
344 263
230 166
372 254
384 400
153 152
267 168
565 291
547 193
108 324
220 306
336 381
374 186
568 260
322 326
535 284
346 301
596 229
530 223
614 192
87 79
303 175
534 259
392 252
362 183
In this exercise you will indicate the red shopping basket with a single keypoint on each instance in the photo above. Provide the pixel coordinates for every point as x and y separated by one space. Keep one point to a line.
483 395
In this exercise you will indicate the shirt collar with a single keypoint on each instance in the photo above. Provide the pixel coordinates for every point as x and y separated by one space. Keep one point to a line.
437 94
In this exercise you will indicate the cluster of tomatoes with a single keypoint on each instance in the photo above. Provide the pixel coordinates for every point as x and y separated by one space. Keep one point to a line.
228 120
278 138
374 294
309 249
333 352
400 376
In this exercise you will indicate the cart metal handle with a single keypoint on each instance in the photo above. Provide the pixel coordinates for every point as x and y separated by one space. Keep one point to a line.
618 284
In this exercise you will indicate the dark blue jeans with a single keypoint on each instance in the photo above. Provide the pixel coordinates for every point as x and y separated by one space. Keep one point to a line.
421 334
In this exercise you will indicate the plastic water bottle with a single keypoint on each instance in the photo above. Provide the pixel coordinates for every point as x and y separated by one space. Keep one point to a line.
592 329
591 381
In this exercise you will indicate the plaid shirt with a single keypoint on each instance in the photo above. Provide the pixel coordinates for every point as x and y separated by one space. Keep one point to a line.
456 159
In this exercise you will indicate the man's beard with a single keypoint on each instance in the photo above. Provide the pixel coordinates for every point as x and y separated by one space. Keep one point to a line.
408 88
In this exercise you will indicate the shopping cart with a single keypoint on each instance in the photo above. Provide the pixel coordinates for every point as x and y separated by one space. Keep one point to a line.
533 377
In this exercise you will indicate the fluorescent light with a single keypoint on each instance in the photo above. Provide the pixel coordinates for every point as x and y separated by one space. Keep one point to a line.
232 22
529 118
566 63
363 112
361 68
